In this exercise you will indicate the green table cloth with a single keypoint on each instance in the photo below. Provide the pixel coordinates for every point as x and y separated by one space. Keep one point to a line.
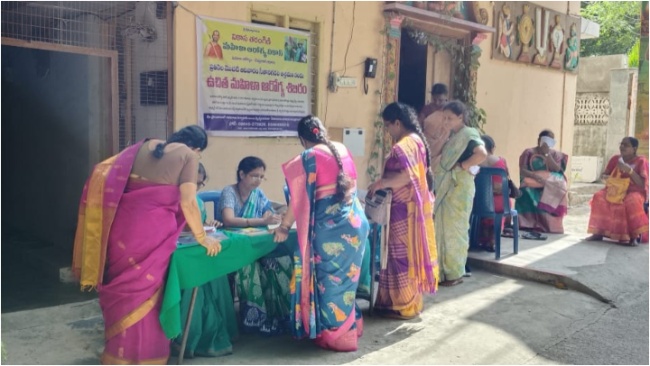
191 267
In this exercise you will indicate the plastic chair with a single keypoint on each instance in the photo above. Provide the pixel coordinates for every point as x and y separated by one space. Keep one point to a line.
286 194
211 196
484 207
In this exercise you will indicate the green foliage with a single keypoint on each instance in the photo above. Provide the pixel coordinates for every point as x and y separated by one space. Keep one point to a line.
633 56
620 27
465 58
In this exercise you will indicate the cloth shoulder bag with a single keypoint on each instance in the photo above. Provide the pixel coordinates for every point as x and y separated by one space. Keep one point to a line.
616 187
378 206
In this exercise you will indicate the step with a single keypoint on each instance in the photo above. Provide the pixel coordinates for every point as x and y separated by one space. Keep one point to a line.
576 200
586 188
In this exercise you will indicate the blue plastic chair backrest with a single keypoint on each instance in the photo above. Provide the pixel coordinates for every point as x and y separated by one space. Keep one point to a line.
211 196
286 193
484 197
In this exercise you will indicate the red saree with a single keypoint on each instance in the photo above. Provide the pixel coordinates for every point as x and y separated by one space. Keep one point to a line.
626 221
126 233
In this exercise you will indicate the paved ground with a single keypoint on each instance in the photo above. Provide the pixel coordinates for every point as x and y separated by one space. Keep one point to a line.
490 319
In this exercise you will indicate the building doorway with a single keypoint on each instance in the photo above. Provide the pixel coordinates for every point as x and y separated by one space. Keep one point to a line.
80 81
57 121
412 72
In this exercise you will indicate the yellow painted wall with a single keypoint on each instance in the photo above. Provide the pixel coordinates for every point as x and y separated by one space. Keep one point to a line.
345 108
522 100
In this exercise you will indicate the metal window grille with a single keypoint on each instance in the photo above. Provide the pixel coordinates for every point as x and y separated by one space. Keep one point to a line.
137 31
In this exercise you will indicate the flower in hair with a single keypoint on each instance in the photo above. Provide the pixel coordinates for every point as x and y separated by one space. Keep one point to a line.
315 130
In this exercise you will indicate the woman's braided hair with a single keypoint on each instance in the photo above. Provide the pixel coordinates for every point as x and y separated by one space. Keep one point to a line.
311 129
409 119
193 136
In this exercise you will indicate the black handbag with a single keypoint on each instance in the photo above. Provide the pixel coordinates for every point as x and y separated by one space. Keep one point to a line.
514 191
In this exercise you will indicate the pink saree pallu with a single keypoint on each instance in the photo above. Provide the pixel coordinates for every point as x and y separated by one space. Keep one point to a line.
327 264
126 234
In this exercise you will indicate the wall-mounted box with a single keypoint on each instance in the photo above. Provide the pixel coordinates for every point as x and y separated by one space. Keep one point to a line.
353 138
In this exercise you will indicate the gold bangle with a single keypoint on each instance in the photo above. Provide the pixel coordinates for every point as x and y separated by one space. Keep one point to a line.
201 236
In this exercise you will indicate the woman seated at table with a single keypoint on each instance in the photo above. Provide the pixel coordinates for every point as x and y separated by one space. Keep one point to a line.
543 201
332 232
262 286
486 233
623 220
213 324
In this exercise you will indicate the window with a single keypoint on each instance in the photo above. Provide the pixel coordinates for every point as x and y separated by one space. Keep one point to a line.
299 25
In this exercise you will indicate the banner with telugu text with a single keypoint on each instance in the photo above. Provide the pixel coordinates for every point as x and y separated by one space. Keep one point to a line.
253 80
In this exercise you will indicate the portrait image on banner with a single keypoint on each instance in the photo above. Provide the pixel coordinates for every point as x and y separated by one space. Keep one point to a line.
253 80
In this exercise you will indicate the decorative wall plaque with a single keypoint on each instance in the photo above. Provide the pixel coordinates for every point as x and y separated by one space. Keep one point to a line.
531 34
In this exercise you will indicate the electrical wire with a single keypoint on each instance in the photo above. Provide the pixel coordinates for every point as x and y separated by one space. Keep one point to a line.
345 58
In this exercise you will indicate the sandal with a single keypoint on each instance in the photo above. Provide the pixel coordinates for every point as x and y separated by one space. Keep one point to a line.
450 283
394 315
631 243
508 233
533 236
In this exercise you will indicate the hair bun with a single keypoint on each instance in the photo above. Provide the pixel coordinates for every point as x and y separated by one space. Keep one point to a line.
159 151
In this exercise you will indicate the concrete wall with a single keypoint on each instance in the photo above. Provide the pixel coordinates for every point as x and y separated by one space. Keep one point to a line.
621 122
345 108
522 100
609 77
593 74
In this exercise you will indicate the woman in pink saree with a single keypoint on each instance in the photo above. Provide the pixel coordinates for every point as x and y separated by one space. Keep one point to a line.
133 208
332 232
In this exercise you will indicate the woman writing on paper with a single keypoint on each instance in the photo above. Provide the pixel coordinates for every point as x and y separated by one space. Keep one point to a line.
262 286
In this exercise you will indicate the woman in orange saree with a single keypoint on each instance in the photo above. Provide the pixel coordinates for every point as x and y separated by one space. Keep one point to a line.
132 210
627 220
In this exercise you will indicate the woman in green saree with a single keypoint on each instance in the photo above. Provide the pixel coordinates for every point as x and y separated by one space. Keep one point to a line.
262 286
454 182
213 324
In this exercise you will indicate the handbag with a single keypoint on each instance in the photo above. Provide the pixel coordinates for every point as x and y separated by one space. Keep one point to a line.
616 187
378 206
514 192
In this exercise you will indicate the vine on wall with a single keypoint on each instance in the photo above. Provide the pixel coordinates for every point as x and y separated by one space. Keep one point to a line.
465 59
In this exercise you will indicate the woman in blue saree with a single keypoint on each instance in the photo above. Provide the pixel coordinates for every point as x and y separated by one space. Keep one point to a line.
332 231
262 286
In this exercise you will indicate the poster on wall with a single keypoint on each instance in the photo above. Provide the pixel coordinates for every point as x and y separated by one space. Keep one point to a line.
253 80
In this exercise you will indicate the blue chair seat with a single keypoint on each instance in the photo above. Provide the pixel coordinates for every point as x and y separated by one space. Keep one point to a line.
484 208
